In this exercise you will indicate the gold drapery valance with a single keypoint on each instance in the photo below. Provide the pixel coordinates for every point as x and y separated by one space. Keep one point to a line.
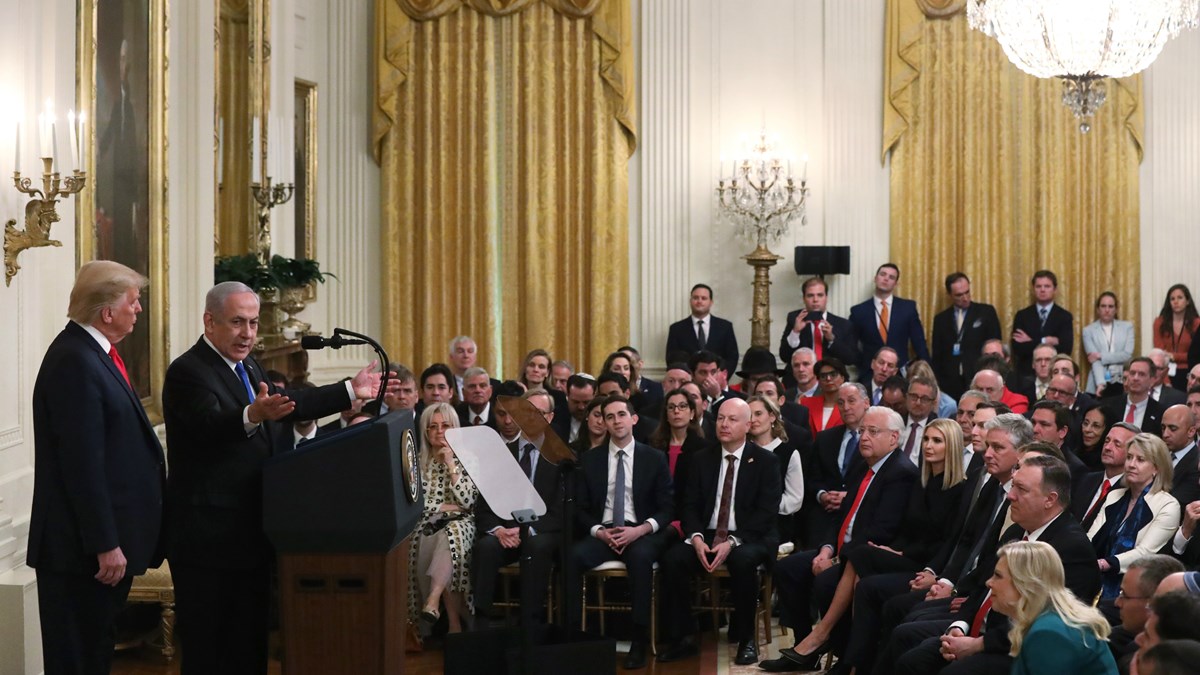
503 129
990 174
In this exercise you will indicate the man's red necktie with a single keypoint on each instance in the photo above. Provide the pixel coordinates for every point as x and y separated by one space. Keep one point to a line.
862 490
112 353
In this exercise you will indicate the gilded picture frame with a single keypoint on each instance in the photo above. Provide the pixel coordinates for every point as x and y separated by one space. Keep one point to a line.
305 172
121 214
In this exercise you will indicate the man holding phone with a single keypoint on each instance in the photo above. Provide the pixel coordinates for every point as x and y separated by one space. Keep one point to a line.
815 328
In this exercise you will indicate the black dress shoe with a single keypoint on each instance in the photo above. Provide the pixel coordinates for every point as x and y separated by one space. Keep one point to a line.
805 661
685 648
636 658
780 665
747 653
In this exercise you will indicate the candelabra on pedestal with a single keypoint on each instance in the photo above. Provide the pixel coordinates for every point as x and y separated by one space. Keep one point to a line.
761 202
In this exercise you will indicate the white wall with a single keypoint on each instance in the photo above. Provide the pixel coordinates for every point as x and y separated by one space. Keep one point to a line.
711 71
1170 200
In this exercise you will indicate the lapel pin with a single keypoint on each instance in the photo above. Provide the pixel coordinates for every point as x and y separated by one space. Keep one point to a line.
750 461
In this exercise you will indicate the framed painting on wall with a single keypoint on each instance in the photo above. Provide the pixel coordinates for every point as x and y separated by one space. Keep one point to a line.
121 50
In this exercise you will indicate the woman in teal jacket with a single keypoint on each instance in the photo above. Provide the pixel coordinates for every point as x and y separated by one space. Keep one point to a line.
1052 633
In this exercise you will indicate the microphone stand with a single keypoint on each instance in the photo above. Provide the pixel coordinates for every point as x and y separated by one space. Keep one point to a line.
382 355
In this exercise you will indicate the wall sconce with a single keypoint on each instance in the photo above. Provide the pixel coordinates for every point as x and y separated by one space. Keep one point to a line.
42 212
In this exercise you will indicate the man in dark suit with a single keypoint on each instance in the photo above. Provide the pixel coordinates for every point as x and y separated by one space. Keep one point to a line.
886 320
498 541
835 456
885 364
872 512
98 474
1136 406
703 331
1043 322
1087 498
1051 425
476 408
959 333
978 641
223 419
1161 389
728 513
1179 433
625 504
615 384
817 329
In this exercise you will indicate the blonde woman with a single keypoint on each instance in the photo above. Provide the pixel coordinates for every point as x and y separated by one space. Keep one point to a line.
440 557
1139 518
1052 632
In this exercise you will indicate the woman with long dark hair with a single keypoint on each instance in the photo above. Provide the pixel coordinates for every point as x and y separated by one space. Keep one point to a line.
1174 329
1093 430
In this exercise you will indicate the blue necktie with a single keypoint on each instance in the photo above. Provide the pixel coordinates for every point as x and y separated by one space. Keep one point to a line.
851 449
241 371
618 507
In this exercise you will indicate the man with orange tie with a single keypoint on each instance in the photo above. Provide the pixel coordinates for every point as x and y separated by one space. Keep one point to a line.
728 514
1137 406
98 474
885 320
871 512
977 642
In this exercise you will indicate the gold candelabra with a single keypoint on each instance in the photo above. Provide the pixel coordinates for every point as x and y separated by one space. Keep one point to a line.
761 200
40 213
268 195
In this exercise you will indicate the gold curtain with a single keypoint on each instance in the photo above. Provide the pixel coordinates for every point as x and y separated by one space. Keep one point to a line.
236 225
991 175
503 130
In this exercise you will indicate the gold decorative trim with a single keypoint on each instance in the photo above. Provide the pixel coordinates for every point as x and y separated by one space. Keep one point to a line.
156 178
306 95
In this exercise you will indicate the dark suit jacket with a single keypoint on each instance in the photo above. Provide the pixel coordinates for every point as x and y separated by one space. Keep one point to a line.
214 490
1083 493
758 489
465 416
980 324
1059 323
883 506
1082 576
1151 419
649 397
547 480
844 345
824 472
904 327
1170 396
721 340
1185 481
652 492
98 466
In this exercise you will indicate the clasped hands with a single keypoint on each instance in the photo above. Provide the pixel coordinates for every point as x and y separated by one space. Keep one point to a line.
711 557
272 407
617 538
956 645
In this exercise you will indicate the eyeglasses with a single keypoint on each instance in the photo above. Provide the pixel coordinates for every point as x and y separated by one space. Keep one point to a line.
828 374
678 407
439 427
1122 594
875 431
1059 392
920 399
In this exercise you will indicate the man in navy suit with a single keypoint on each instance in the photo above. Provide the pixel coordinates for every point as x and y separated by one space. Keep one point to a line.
1042 323
223 420
886 320
703 331
476 408
1136 406
98 474
959 333
871 512
625 504
803 327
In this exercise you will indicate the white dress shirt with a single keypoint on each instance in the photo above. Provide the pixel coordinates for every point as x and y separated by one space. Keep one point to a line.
610 490
793 481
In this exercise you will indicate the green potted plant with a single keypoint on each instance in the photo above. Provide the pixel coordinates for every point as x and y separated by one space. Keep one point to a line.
246 269
295 276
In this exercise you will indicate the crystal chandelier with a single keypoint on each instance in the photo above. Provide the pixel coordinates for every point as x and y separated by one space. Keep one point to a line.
759 199
1082 41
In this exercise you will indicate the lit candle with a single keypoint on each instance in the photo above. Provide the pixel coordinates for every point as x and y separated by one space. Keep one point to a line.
255 153
17 159
73 136
80 135
53 141
44 133
804 176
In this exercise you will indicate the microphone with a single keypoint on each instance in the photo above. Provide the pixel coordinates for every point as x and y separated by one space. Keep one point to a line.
337 341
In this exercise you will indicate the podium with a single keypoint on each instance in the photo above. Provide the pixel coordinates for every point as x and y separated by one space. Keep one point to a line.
339 510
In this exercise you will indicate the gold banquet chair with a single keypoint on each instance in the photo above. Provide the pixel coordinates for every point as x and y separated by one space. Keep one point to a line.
611 570
717 604
156 586
510 574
